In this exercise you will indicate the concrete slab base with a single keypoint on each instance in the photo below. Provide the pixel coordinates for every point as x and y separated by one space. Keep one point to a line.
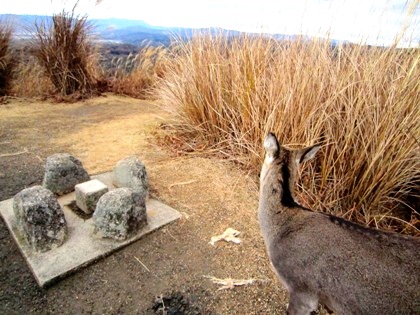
81 247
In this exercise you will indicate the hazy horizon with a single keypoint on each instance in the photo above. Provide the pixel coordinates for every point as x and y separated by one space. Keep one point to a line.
357 20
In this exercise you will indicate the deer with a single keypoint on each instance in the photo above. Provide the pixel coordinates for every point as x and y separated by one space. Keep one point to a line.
324 259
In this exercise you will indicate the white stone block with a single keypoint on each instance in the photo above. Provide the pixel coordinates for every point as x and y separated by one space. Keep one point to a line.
88 194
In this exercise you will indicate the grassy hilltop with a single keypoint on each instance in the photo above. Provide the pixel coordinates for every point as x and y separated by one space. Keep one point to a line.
226 92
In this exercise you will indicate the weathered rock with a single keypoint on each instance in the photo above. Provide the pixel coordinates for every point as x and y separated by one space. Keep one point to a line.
131 172
40 218
119 213
62 172
88 194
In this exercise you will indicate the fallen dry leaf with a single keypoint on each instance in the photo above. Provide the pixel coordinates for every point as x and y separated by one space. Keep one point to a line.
230 235
230 283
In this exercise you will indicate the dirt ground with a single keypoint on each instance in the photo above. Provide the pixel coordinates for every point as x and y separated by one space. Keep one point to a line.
211 194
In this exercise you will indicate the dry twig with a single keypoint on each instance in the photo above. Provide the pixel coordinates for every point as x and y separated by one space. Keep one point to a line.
142 264
14 154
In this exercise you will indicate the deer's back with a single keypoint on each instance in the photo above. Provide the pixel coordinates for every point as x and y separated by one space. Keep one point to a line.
348 266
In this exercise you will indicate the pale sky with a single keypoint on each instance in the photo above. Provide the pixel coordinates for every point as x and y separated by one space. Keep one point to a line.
372 21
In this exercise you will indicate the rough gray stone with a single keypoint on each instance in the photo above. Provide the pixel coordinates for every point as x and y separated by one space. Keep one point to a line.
62 172
88 194
119 213
40 218
131 172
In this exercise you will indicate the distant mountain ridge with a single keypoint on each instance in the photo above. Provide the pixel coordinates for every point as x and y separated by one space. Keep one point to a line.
125 31
134 31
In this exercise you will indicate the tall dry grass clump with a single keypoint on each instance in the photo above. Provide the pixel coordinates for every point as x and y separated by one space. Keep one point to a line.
29 78
64 50
360 102
7 61
138 73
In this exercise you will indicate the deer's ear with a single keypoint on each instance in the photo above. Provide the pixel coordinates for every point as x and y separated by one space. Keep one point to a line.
307 153
271 146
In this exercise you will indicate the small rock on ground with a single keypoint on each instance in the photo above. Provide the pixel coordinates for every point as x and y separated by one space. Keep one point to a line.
119 214
131 172
40 218
62 172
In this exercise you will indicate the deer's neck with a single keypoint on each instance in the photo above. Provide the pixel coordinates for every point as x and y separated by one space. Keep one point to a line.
276 204
277 188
